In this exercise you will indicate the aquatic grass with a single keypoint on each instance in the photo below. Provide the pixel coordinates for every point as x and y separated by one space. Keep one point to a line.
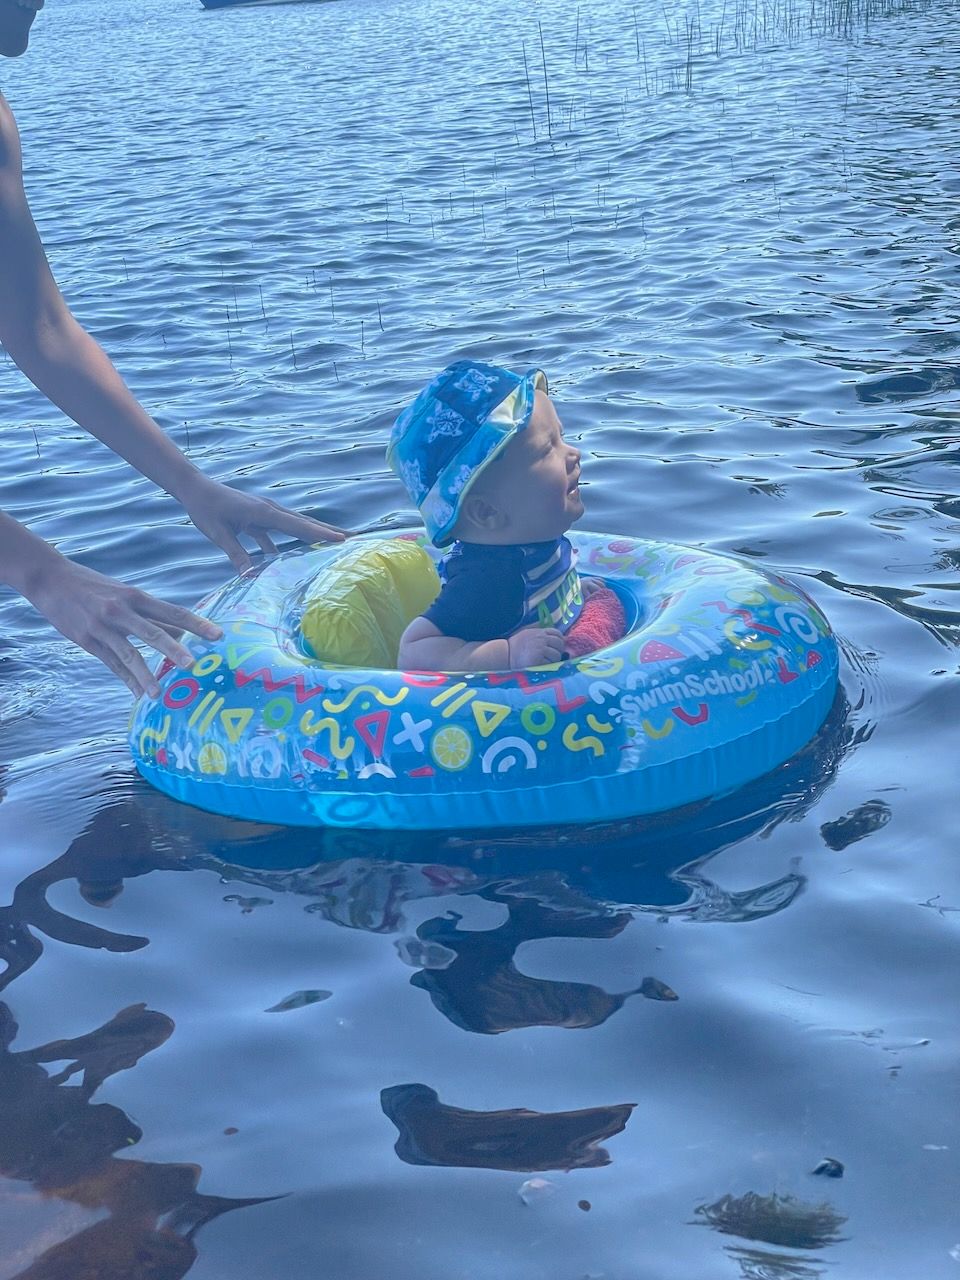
757 25
546 82
526 73
688 84
36 444
670 63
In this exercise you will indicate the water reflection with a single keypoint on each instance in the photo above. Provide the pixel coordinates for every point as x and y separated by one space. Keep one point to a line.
116 845
760 1264
586 883
483 991
855 825
519 1140
54 1138
573 882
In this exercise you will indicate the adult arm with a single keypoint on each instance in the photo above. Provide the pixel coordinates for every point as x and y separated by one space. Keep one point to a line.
71 369
64 362
94 611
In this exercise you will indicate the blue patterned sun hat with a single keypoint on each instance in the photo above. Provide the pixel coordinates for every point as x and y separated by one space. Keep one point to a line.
456 426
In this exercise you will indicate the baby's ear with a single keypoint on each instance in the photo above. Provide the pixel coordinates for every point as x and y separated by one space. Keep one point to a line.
481 514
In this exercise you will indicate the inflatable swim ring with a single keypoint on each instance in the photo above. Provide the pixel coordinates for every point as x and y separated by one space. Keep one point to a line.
724 673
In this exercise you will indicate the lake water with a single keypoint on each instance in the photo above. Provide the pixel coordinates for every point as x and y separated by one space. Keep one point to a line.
732 239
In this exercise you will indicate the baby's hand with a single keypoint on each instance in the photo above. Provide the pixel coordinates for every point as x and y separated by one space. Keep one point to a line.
589 585
535 647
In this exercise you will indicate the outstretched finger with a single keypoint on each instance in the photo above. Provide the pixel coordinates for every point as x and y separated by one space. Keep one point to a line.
230 545
303 527
125 663
265 542
172 617
159 638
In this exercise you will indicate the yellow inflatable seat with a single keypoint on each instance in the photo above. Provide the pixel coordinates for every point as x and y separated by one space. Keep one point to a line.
357 609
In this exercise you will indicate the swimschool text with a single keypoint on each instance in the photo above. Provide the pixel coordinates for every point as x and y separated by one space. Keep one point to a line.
694 687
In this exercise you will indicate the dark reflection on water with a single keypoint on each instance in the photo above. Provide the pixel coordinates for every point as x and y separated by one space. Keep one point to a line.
525 1141
587 883
117 845
856 825
583 882
760 1264
56 1140
481 989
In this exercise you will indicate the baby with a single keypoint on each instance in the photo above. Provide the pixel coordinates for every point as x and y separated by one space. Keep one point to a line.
482 454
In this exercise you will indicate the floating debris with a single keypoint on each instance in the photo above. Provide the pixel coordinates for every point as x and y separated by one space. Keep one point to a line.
298 1000
536 1190
829 1168
894 1046
654 989
246 905
585 1205
424 955
780 1220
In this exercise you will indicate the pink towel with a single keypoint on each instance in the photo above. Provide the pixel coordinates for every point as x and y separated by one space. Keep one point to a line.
601 622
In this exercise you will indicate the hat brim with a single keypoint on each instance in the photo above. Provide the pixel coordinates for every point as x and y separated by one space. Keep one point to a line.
511 416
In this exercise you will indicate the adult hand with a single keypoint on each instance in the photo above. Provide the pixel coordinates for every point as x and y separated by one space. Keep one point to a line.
99 614
534 647
222 513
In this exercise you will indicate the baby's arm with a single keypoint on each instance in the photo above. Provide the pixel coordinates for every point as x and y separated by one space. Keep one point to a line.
424 647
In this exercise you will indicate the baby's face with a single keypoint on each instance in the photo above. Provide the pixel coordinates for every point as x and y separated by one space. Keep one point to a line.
535 481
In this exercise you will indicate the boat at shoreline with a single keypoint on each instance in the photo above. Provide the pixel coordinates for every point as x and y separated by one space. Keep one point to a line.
225 4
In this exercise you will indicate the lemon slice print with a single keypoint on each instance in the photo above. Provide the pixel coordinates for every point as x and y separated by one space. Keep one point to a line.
212 759
451 748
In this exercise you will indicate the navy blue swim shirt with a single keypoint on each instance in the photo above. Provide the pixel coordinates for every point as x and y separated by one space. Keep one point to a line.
490 591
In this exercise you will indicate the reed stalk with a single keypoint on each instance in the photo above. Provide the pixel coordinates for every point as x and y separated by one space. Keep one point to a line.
546 82
526 73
